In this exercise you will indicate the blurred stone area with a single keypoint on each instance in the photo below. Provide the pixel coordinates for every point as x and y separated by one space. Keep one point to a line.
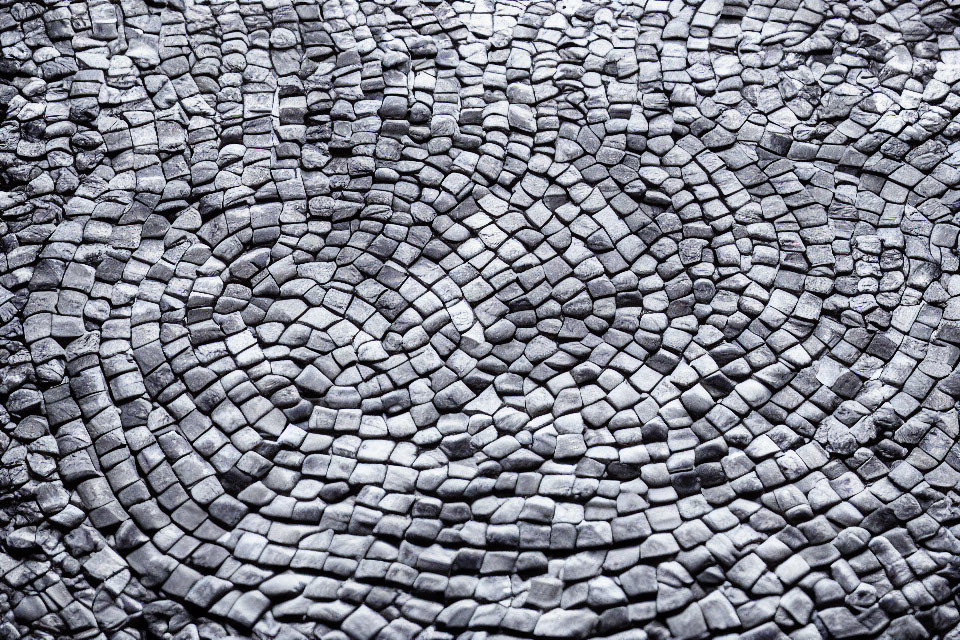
500 319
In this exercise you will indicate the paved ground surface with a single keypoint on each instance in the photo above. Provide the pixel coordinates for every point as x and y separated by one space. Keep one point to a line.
491 319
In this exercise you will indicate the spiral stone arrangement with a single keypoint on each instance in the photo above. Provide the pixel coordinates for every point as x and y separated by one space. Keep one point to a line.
487 319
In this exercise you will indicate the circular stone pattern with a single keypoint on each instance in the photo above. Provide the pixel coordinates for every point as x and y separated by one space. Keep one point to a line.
538 319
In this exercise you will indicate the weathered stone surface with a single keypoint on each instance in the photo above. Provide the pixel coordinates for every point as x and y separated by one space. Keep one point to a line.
382 320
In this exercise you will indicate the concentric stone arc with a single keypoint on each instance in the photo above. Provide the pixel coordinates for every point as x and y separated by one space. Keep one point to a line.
436 319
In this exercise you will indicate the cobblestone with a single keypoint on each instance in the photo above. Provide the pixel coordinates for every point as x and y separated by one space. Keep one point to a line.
446 319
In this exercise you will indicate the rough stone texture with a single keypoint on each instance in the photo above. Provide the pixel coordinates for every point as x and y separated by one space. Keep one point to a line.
492 319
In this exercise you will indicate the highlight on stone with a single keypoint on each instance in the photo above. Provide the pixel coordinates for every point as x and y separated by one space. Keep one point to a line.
479 320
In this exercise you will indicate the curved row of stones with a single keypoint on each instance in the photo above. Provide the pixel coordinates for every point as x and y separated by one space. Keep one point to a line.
429 319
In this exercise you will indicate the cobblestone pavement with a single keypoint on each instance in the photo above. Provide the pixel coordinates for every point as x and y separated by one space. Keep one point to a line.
488 320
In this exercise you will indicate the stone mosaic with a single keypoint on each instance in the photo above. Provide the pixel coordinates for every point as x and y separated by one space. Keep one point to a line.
499 319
